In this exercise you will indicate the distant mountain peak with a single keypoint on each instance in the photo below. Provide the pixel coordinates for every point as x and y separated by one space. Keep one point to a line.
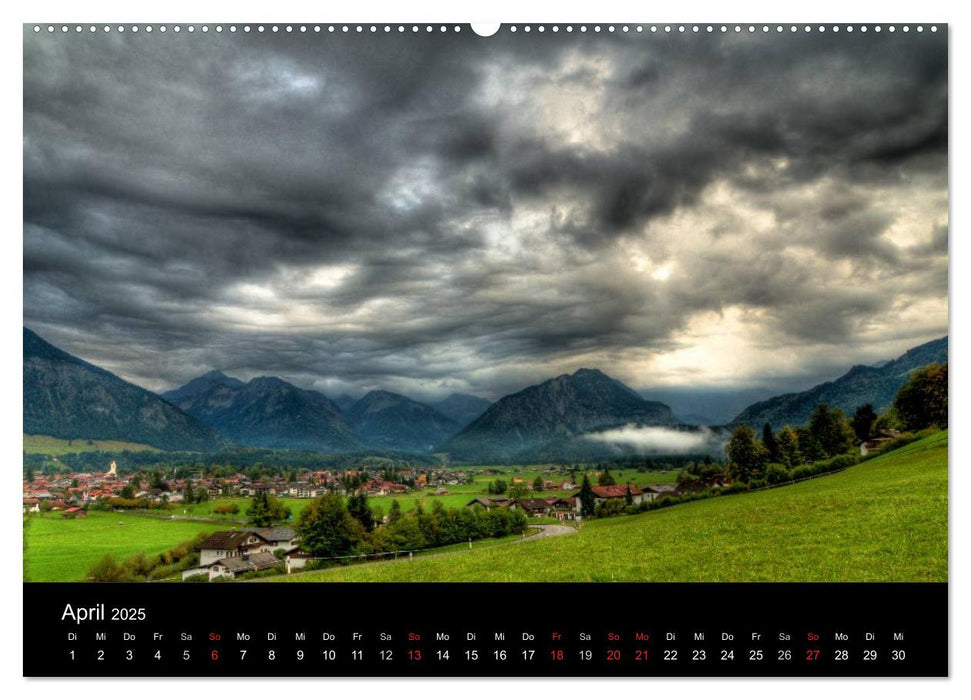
590 372
266 412
555 410
270 382
66 397
394 421
462 408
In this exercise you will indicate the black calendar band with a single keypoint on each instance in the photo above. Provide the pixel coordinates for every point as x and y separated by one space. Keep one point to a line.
520 629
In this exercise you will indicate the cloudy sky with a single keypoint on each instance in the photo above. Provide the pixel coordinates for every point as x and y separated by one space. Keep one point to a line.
437 213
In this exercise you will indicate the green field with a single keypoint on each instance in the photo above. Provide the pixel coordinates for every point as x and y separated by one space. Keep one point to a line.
883 520
60 549
52 446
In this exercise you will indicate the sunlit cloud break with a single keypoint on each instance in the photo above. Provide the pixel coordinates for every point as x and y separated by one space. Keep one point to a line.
655 440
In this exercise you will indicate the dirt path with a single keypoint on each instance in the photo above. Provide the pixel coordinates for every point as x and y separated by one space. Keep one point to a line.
551 531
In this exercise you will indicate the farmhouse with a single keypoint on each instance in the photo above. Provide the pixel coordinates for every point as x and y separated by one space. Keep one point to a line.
619 491
533 507
489 503
877 441
229 543
564 508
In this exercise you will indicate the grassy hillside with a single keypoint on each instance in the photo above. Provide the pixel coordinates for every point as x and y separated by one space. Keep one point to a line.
52 446
884 520
59 549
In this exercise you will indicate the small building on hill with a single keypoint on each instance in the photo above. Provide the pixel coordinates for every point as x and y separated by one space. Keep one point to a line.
878 440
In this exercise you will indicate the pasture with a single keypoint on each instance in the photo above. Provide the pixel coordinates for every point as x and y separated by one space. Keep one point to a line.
52 446
62 549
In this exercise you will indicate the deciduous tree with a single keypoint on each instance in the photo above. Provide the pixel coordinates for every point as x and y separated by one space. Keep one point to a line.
327 529
830 430
922 401
747 456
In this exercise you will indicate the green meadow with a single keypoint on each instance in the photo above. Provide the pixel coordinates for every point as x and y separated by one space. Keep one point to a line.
52 446
882 520
62 549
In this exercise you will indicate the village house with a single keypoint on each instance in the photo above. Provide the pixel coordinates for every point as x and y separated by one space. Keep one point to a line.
303 490
532 507
278 537
619 491
878 440
564 508
489 503
233 552
229 543
296 558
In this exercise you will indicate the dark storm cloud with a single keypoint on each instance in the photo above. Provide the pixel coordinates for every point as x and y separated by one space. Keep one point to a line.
425 212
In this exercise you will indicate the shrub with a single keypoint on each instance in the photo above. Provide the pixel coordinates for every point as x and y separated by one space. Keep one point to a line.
843 461
108 570
610 508
802 472
776 474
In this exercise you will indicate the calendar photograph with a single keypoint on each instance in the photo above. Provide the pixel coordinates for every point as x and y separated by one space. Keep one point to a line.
625 304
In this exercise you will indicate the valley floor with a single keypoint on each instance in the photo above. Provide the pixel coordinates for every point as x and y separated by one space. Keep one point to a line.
883 520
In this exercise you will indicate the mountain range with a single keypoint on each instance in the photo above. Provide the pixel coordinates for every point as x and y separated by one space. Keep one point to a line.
69 398
266 412
874 384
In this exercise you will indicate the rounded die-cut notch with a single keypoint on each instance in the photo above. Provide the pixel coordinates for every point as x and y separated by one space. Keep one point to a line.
485 28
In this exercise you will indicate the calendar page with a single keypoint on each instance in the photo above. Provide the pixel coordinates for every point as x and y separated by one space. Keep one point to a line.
611 349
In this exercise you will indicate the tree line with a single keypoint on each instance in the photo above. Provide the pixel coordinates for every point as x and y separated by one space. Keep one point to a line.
330 528
772 457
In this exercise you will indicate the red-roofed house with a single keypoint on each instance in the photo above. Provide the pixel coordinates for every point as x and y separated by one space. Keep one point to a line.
614 491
